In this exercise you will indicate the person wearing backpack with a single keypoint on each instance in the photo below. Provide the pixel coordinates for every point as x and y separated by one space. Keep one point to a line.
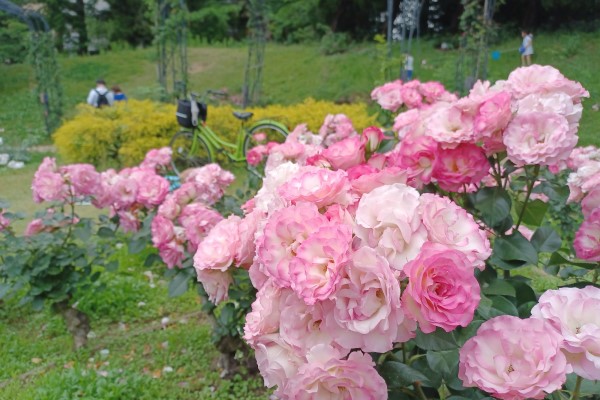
100 96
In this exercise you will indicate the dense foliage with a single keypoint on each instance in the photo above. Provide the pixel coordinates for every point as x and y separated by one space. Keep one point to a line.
121 135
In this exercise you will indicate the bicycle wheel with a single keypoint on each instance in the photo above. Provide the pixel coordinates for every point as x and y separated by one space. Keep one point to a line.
272 133
183 156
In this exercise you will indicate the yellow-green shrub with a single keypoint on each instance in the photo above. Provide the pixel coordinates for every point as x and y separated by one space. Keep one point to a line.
121 135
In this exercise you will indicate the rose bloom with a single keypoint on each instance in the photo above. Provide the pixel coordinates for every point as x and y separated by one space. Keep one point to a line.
317 185
128 221
172 253
277 361
254 156
197 220
417 155
284 232
265 314
124 191
542 79
335 128
48 184
157 158
247 228
372 136
389 95
387 219
442 290
34 227
315 271
514 359
162 230
574 314
590 202
462 165
587 238
152 189
345 153
366 307
493 114
449 125
4 221
404 122
538 138
328 377
387 176
451 225
411 97
216 284
84 178
217 250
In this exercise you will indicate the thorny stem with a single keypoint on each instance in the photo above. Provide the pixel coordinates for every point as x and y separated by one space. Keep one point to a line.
419 391
530 183
575 394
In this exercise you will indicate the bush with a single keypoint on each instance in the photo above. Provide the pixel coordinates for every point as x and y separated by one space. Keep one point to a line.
121 135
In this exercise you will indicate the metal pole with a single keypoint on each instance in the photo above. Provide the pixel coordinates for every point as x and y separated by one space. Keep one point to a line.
390 11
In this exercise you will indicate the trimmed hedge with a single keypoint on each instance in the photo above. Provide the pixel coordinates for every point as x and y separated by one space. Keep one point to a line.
120 136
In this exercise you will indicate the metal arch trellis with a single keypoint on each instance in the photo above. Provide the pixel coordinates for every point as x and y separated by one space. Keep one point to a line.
42 55
171 46
257 26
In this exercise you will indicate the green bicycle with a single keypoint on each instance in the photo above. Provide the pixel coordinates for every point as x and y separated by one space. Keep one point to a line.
196 144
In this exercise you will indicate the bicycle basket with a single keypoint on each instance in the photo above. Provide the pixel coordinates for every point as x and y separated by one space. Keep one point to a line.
184 113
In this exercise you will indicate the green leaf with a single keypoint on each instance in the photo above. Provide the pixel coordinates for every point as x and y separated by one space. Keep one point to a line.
495 306
494 205
463 334
534 212
546 240
179 284
112 266
397 374
558 259
105 232
443 362
437 340
152 259
499 287
137 245
513 251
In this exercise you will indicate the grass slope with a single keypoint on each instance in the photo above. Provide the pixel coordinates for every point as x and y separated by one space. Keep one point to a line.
291 74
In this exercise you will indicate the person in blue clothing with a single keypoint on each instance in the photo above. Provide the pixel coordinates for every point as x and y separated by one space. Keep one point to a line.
118 94
526 49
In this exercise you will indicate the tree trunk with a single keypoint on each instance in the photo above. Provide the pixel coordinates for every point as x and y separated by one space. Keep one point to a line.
78 323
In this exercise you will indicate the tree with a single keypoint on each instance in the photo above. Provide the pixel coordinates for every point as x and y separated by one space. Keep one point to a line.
134 28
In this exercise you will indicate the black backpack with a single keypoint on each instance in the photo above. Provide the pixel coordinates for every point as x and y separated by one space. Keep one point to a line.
102 99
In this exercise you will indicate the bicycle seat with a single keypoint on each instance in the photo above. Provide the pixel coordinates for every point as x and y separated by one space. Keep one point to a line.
244 116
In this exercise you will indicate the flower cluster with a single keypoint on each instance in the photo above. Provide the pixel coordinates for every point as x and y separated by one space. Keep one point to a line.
413 94
533 116
513 358
184 218
329 241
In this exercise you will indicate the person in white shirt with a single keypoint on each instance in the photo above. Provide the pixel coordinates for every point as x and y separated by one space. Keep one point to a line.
100 96
526 47
408 66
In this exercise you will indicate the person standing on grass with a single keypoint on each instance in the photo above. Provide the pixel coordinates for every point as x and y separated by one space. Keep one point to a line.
526 49
100 96
118 94
408 66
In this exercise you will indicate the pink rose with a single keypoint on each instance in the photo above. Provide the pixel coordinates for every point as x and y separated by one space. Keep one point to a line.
442 290
462 165
162 230
417 155
327 377
317 185
514 359
432 91
387 176
389 95
172 253
367 313
453 226
170 208
573 313
345 153
124 191
254 156
4 221
449 125
405 121
587 238
284 232
538 138
591 202
34 227
396 233
157 158
218 249
315 271
49 186
335 128
277 361
265 314
84 178
152 189
493 114
247 228
128 221
197 220
216 284
372 136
